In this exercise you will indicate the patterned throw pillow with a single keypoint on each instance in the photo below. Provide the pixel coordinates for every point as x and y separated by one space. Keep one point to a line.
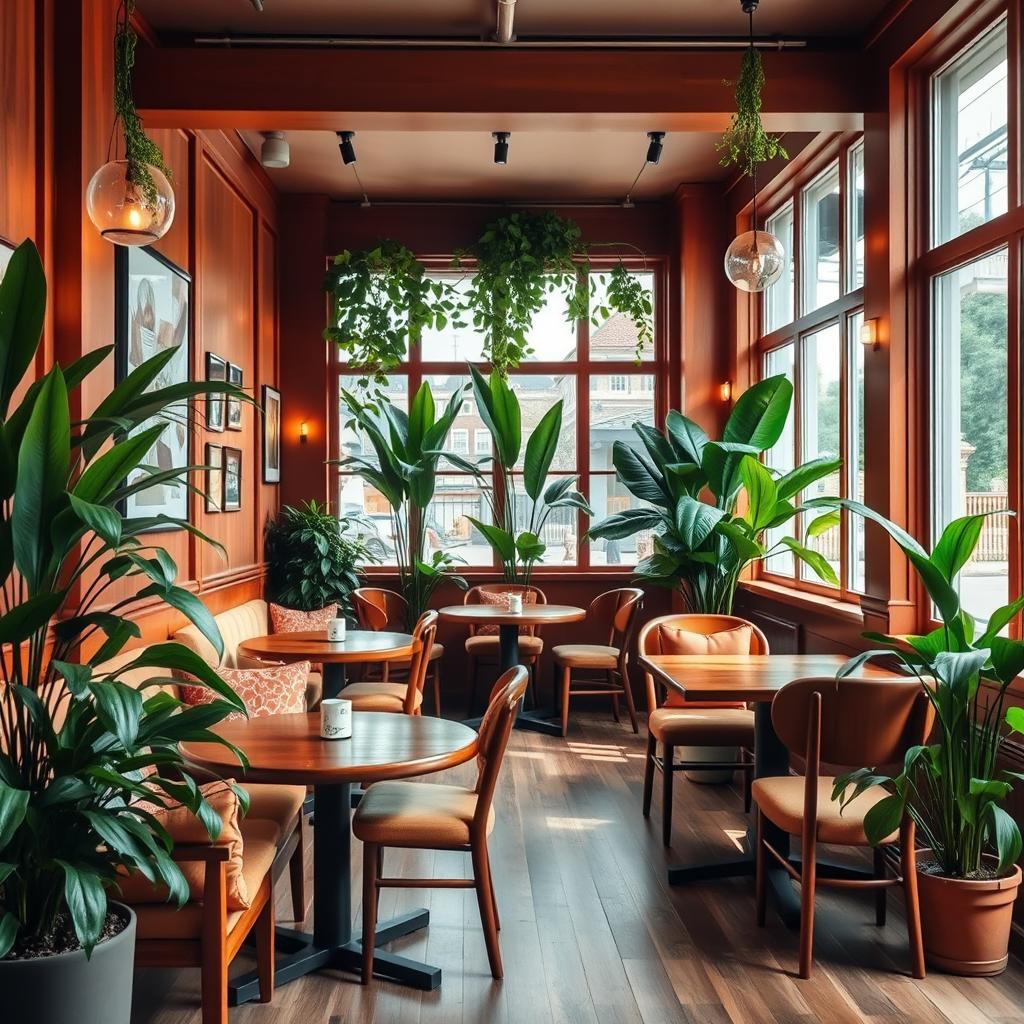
291 620
685 641
500 600
274 690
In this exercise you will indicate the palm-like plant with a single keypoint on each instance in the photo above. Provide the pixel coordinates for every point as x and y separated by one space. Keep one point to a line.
73 740
702 547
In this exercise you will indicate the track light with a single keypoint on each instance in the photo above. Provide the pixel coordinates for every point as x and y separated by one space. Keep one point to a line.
655 146
348 151
275 151
501 147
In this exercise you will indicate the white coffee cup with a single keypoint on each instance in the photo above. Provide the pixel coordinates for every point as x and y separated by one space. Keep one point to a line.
515 602
335 719
336 630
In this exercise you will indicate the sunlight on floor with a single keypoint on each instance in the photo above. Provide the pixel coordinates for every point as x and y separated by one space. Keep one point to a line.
565 824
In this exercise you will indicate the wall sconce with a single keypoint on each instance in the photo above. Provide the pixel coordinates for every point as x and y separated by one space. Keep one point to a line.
725 391
303 432
869 334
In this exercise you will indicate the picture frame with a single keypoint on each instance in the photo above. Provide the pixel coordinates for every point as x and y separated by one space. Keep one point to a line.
214 477
271 435
216 369
232 499
236 377
153 311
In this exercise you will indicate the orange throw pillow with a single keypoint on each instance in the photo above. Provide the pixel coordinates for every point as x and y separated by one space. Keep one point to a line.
500 600
673 640
274 690
291 620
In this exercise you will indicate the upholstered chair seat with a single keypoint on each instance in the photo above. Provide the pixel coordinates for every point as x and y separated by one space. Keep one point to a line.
487 646
702 727
585 655
418 815
379 697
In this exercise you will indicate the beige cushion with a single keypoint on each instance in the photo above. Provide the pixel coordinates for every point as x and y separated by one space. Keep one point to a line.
782 802
378 696
314 682
703 727
291 620
487 646
416 814
136 677
237 624
276 803
586 655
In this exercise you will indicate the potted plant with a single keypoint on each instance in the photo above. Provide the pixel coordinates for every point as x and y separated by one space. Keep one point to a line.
953 788
73 740
702 547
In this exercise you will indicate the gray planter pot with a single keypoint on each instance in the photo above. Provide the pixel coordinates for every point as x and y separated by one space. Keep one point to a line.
67 987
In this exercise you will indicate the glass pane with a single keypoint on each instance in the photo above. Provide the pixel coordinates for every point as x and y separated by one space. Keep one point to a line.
353 441
779 297
608 496
537 393
781 458
970 468
969 142
855 218
468 425
819 263
855 457
551 337
560 531
456 498
820 414
369 517
453 344
617 401
614 336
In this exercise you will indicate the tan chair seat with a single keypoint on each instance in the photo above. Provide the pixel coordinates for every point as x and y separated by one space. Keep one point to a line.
782 801
165 921
703 727
377 696
279 804
586 656
416 814
487 646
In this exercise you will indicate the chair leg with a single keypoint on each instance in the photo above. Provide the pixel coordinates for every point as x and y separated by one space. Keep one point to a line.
748 786
214 983
482 878
667 757
652 749
436 677
297 877
808 885
881 893
630 705
473 671
371 860
265 936
494 900
566 683
908 866
615 707
760 865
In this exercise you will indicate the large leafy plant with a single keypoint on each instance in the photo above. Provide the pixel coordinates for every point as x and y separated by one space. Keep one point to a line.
691 487
952 788
403 468
74 738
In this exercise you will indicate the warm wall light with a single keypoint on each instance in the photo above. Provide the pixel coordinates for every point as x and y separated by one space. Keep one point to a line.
303 432
869 334
725 391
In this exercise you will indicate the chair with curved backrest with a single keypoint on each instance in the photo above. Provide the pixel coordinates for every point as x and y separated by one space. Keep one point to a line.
695 724
405 697
380 609
611 619
482 644
850 723
431 816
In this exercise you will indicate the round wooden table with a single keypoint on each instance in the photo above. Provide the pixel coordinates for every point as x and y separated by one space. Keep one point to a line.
288 749
508 623
359 647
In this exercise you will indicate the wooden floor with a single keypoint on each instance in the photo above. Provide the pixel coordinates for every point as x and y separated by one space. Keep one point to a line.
591 932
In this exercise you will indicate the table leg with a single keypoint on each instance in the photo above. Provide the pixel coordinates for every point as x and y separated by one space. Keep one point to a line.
334 679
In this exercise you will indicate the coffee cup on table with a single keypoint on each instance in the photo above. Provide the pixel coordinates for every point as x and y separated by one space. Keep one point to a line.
335 719
336 630
515 603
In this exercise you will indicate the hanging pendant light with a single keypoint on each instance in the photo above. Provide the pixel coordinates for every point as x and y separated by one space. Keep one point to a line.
129 199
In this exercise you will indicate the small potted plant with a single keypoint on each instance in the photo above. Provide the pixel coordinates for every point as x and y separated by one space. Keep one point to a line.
954 787
73 739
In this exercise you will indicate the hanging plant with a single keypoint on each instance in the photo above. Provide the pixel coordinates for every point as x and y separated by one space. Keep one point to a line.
745 142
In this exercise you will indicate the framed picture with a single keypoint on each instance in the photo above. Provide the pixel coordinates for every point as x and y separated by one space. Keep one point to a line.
232 480
234 405
152 315
216 369
214 477
6 252
271 435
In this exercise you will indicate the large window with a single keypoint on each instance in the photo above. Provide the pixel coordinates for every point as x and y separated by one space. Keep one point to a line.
604 390
810 332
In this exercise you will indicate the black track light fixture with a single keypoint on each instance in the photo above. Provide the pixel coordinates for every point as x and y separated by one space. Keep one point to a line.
501 147
655 146
348 151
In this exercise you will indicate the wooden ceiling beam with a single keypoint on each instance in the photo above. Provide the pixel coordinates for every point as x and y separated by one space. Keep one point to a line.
435 89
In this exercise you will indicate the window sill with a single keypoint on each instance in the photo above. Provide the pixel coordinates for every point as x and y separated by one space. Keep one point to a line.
830 606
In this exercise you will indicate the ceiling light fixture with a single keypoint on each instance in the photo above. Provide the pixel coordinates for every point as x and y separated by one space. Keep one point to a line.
501 147
655 147
275 151
348 151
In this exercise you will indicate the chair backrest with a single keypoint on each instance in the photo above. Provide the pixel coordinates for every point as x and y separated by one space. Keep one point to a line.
495 730
424 631
379 609
472 596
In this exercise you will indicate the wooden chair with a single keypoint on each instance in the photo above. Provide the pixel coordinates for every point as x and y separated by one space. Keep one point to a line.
431 816
851 723
380 609
401 698
696 724
612 619
482 644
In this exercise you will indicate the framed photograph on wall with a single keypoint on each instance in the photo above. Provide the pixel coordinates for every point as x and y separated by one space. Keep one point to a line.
216 369
232 480
234 405
152 315
214 477
271 435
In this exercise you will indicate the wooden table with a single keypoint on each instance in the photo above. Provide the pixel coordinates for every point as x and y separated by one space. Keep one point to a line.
358 647
288 749
508 623
754 679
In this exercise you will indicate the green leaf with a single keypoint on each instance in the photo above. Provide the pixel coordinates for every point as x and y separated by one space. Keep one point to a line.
501 540
815 559
721 463
686 437
1006 838
803 476
193 608
695 521
104 522
760 414
104 475
86 901
1007 657
540 450
175 656
1015 719
9 926
13 805
119 708
626 523
22 309
883 819
29 616
956 545
762 494
823 523
639 475
529 547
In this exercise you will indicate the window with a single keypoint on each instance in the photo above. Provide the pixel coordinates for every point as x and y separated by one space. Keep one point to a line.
604 390
811 321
